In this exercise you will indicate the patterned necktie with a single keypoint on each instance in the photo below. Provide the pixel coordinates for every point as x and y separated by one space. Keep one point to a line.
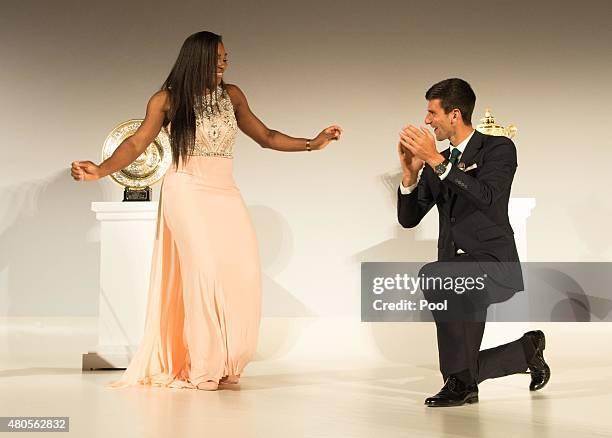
454 156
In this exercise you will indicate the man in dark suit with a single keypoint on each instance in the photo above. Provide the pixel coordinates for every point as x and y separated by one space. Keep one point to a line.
470 184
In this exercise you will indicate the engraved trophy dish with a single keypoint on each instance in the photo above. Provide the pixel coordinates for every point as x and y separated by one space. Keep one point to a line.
147 169
489 126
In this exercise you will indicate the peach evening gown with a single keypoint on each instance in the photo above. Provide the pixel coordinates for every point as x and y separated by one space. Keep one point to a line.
204 299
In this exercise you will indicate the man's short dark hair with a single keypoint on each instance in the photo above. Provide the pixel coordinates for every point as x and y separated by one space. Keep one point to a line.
454 93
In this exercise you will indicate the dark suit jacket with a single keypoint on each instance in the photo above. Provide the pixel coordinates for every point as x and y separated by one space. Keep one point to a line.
473 210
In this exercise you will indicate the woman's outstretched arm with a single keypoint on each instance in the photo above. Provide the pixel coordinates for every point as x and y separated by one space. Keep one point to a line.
131 147
269 138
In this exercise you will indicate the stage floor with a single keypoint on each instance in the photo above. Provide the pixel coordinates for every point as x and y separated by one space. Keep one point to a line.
309 400
320 396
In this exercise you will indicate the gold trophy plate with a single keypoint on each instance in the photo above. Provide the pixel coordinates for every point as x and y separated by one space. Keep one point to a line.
147 169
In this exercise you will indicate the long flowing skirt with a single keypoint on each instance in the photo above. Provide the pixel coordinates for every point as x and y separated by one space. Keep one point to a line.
204 300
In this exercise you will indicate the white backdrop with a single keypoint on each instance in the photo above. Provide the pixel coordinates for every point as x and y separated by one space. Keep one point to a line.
71 71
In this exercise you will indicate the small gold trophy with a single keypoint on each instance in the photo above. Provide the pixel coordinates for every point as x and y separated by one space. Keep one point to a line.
490 127
147 169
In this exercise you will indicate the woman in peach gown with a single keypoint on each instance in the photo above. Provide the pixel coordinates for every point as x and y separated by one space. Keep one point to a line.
204 300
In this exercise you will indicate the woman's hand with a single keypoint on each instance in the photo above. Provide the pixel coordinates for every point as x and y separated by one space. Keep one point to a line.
85 171
325 137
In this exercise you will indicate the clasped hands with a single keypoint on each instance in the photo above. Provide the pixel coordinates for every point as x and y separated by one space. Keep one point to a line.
421 144
416 147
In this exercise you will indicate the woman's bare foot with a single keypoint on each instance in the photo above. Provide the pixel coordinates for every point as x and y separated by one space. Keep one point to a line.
209 385
230 380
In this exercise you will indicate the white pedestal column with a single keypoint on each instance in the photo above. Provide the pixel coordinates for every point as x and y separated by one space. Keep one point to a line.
519 210
126 246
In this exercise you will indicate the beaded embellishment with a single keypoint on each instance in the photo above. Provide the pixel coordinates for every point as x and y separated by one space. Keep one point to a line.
215 128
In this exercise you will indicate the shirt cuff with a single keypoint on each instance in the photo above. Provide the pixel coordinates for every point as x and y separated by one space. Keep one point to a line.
446 172
408 190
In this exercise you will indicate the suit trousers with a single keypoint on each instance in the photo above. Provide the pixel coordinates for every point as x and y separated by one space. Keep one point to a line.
460 327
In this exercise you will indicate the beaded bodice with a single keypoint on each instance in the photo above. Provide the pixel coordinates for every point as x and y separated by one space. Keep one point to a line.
215 128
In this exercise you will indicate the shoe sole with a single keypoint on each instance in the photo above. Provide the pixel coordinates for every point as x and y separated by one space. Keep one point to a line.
543 340
469 401
542 346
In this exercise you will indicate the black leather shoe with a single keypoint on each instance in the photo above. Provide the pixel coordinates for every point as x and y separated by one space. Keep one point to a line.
453 393
538 368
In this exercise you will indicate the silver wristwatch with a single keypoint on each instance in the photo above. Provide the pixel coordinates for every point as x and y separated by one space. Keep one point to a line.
441 168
